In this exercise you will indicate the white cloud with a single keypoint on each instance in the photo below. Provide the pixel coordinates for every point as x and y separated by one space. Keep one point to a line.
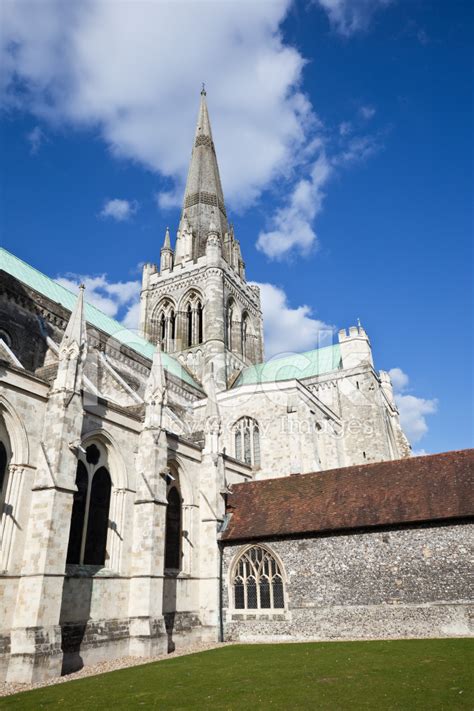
292 226
35 138
400 379
413 410
350 16
132 316
133 71
367 112
118 209
345 128
290 329
116 299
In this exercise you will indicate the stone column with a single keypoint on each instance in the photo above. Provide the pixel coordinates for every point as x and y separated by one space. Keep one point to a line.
195 324
12 498
214 336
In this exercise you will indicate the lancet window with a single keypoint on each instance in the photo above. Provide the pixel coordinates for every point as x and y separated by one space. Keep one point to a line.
165 326
90 510
173 529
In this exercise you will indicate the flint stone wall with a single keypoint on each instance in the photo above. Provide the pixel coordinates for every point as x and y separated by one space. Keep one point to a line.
405 582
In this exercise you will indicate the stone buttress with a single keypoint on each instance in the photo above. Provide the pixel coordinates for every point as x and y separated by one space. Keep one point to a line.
147 629
36 635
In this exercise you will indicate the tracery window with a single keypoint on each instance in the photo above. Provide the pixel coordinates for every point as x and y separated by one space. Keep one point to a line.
258 581
247 441
173 530
90 510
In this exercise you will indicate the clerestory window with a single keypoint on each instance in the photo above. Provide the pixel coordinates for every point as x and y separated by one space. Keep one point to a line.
247 441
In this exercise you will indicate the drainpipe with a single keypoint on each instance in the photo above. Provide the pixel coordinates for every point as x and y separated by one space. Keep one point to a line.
221 614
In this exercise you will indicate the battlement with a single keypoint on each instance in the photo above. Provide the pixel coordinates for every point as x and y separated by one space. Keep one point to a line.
354 332
355 347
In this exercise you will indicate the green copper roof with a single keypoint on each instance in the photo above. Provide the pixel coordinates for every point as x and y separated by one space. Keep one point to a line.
298 366
54 291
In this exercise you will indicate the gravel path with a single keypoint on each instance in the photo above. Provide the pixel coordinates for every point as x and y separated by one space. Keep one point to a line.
104 667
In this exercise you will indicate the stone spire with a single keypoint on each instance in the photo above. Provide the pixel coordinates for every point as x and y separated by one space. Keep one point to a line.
203 187
73 349
167 242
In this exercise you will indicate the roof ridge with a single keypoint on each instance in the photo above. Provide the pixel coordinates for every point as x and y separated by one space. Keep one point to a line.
468 451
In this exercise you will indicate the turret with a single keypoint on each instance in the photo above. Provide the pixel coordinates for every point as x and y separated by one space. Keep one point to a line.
213 246
387 388
184 242
212 418
355 347
73 350
155 392
166 259
148 270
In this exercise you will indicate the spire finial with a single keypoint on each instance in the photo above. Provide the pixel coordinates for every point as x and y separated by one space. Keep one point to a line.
203 89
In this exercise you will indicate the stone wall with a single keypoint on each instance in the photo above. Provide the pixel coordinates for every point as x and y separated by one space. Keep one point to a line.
406 582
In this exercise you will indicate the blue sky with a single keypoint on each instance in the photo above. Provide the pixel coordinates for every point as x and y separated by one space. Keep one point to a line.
344 134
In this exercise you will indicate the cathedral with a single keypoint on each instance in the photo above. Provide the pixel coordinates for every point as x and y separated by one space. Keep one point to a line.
169 487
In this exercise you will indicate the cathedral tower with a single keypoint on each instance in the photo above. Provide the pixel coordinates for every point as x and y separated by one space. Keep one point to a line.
198 304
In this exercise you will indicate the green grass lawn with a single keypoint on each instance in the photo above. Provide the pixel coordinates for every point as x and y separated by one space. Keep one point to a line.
405 674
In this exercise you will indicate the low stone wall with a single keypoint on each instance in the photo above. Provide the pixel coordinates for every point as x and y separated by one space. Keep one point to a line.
405 582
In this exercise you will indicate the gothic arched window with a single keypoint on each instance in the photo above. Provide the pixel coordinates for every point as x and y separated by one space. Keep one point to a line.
173 530
90 510
247 441
5 457
3 467
244 334
164 325
194 320
257 581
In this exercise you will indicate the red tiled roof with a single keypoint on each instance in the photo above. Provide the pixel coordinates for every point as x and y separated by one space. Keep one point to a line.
411 490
